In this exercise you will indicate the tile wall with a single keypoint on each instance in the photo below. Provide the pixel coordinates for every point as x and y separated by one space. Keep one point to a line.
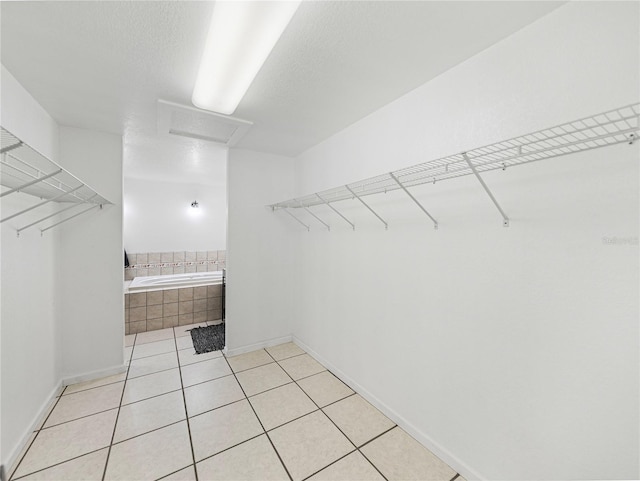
149 311
168 263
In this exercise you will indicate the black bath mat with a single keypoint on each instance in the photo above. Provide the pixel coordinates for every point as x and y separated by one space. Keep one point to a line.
207 339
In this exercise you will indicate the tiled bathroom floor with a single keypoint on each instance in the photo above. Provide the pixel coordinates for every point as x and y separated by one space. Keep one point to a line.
274 414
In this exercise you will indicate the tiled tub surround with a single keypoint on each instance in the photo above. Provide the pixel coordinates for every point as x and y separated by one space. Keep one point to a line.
169 263
159 309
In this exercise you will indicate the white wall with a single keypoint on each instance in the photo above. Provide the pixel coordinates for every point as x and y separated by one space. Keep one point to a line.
158 216
259 255
512 353
29 356
90 259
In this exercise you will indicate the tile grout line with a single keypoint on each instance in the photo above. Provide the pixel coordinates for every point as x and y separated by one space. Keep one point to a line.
329 418
315 403
115 426
186 410
14 470
94 387
58 464
261 425
378 436
231 447
79 418
330 464
177 471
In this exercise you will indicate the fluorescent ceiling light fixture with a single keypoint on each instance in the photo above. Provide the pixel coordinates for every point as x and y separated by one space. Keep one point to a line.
241 37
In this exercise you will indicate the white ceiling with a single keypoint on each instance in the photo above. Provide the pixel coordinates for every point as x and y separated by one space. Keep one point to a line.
104 65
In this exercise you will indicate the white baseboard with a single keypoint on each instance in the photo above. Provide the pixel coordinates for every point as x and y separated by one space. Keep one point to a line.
90 376
260 345
44 409
421 437
12 459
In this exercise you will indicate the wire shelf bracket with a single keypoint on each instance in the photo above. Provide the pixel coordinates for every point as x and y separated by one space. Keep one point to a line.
72 206
42 231
620 125
353 226
435 222
505 218
40 204
386 226
315 217
25 170
298 220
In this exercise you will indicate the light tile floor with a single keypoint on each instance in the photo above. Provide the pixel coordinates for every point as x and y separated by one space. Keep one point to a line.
271 414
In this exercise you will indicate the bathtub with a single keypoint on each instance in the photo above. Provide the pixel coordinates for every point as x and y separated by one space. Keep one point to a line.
160 302
175 281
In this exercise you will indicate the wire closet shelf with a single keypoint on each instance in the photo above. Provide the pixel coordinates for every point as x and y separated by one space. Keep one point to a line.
24 169
613 127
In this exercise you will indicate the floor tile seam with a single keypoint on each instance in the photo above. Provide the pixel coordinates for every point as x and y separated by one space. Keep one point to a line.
374 466
292 420
311 375
174 472
44 428
151 342
218 407
337 400
250 368
322 408
270 389
319 408
229 448
329 418
150 397
152 355
58 464
26 451
262 425
148 374
198 362
115 425
330 464
90 388
208 380
115 443
299 387
370 441
285 358
377 436
161 353
186 409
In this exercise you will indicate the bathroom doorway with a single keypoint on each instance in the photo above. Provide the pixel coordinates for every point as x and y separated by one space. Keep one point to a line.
174 229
